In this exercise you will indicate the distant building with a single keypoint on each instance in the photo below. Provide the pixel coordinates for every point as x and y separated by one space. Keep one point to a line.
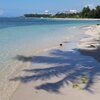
69 11
72 11
46 12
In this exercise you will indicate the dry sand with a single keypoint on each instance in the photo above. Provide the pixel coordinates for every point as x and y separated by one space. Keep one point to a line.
93 39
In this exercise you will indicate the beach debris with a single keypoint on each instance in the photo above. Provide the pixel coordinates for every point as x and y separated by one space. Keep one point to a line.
61 45
98 24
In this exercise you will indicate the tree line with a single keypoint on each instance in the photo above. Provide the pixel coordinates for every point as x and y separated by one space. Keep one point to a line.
86 12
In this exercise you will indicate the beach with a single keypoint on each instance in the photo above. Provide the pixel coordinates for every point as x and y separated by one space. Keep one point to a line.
56 73
45 57
49 50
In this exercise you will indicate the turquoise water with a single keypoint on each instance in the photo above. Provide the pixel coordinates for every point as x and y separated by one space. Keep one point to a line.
22 32
25 36
13 22
21 36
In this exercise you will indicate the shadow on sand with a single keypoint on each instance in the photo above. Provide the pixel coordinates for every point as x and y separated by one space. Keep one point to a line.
69 64
93 53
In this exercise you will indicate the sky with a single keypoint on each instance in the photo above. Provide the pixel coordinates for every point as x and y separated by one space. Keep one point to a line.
20 7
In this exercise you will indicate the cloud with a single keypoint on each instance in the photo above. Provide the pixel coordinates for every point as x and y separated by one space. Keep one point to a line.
1 12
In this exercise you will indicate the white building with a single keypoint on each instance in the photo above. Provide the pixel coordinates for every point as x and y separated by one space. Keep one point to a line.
72 11
46 12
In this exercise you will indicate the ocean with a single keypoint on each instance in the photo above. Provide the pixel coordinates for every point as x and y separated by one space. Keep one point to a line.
30 36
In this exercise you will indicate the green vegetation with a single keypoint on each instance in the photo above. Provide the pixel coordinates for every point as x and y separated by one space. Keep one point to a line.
66 15
85 13
83 81
90 13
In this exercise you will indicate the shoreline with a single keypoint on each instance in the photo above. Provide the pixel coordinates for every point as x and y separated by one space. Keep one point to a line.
18 66
76 19
14 65
44 94
21 89
44 52
17 71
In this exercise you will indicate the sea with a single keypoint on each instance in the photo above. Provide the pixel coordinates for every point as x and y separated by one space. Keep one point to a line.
30 36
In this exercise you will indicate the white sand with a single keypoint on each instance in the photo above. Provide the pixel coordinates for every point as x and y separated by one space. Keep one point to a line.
28 92
75 18
93 33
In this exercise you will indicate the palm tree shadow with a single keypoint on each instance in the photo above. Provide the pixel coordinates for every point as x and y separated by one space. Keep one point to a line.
72 66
